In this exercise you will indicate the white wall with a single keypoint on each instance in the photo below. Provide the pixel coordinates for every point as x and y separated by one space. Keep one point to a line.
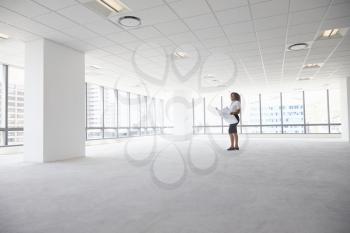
54 102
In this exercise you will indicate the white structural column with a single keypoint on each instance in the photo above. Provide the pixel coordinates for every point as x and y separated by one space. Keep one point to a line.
181 106
345 107
54 122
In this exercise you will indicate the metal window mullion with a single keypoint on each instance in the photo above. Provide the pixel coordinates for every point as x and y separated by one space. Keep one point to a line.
204 117
140 113
328 113
103 111
281 105
116 93
240 121
6 105
86 111
193 119
304 115
129 110
260 115
222 119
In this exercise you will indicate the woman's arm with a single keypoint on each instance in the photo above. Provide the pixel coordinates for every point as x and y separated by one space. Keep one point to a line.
238 111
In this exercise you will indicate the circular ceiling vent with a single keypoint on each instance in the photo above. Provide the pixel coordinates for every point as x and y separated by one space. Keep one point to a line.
129 21
298 46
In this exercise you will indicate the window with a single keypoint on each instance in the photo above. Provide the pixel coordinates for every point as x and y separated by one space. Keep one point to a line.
135 115
94 111
123 114
11 105
293 112
198 115
212 119
271 113
110 113
316 111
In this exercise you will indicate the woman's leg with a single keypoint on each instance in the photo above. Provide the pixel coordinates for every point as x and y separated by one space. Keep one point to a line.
232 140
235 140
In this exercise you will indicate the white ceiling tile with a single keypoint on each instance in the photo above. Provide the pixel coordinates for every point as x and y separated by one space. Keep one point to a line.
188 8
242 38
56 4
343 22
100 42
270 8
217 42
80 45
303 29
299 38
24 7
183 38
307 16
154 15
339 10
172 27
80 14
201 21
145 32
162 41
268 34
54 20
136 5
121 37
116 49
277 21
103 27
209 33
218 5
233 15
239 28
58 37
79 33
299 5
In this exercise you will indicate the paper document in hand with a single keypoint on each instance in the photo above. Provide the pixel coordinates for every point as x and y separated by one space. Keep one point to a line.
226 115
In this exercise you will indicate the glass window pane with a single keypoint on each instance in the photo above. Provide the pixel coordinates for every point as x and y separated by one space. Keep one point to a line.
334 105
250 112
110 108
2 97
135 110
271 109
94 106
198 111
94 134
143 111
151 113
293 112
110 133
159 114
15 97
123 109
212 118
316 107
15 137
2 138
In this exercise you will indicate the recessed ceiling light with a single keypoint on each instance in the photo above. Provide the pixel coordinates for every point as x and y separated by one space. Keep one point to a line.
113 5
330 33
129 21
95 67
312 65
180 54
304 78
3 36
298 46
209 76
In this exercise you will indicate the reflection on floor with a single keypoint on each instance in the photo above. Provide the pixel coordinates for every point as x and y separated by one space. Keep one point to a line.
155 185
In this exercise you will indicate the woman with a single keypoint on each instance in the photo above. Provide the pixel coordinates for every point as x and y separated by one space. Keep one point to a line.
235 109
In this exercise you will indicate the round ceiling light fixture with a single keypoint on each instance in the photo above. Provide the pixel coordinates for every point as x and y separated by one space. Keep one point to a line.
298 46
129 21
